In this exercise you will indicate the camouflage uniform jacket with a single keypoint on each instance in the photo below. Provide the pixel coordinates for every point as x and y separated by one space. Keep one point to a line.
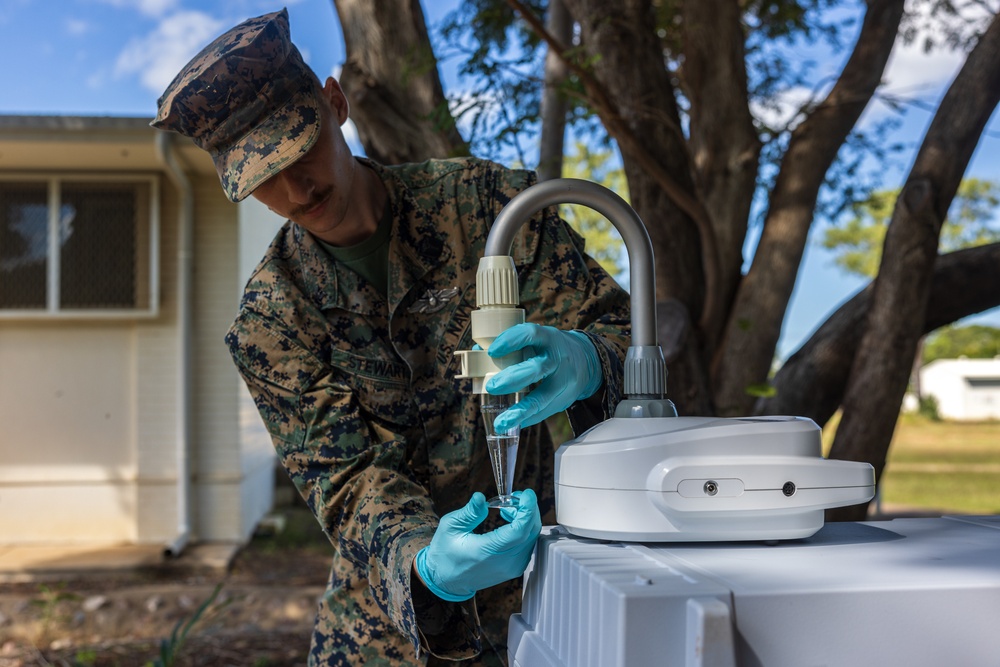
358 393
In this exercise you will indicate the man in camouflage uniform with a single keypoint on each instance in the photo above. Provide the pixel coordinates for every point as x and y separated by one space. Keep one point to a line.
345 337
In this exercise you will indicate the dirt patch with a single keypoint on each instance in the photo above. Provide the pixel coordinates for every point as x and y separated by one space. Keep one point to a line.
258 613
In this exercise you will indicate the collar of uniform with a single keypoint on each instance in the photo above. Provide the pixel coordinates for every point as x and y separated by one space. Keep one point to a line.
416 246
329 284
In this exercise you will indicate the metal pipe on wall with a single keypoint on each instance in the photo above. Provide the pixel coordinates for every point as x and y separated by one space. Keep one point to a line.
185 383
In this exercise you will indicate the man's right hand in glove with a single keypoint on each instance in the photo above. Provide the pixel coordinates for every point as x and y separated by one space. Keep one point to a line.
459 562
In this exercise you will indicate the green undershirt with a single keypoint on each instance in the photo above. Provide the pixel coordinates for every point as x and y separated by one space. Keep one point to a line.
370 258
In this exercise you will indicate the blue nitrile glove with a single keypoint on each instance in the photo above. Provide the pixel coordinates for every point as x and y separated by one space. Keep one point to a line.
565 363
459 562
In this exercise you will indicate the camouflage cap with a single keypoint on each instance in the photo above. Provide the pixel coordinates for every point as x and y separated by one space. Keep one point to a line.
248 99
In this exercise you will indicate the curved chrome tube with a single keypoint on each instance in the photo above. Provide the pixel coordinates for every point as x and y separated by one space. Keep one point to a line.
642 278
645 380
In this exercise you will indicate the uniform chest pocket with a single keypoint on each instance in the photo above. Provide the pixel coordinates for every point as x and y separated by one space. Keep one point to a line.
380 386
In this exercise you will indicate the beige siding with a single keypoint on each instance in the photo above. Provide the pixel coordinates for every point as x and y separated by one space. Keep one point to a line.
219 467
66 402
157 359
90 407
257 227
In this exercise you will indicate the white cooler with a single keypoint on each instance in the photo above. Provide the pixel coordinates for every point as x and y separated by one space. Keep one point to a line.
913 592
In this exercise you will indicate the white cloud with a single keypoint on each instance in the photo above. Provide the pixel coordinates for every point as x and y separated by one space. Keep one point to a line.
154 8
911 72
78 26
464 105
96 80
10 8
157 57
782 109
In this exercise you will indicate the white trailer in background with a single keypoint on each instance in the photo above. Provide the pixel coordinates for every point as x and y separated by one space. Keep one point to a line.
965 389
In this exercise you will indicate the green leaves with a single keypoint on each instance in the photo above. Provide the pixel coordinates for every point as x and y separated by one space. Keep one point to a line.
971 222
761 390
974 341
604 243
170 648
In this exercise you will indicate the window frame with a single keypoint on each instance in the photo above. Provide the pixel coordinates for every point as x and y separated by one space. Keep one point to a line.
52 310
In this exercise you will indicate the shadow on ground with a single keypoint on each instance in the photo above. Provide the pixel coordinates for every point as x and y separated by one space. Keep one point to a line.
257 611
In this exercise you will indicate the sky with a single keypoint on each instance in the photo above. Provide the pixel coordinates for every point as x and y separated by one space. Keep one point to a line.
115 57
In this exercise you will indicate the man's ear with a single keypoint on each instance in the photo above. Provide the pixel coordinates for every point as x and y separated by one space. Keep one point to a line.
338 100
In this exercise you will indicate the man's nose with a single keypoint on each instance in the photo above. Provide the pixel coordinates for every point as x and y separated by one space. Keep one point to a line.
299 186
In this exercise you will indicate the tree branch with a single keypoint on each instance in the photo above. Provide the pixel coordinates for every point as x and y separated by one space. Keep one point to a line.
881 367
724 145
552 141
400 111
631 144
754 324
812 382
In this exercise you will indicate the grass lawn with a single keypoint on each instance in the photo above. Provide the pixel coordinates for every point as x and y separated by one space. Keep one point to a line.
948 466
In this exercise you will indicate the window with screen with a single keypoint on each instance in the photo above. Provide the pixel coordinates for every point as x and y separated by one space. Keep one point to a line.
78 246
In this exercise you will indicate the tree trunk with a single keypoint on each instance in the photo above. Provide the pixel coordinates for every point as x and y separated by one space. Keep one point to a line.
918 363
723 142
899 300
391 80
627 60
550 160
812 381
754 324
687 190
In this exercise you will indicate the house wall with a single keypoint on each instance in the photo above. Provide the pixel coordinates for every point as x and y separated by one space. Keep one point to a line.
156 358
983 403
88 453
257 227
965 389
89 410
66 403
75 393
235 476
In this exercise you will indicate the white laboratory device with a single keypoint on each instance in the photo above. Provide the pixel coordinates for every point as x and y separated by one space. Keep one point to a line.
920 592
700 541
647 474
672 479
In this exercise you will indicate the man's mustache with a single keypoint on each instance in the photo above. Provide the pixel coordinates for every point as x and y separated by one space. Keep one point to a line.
312 203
